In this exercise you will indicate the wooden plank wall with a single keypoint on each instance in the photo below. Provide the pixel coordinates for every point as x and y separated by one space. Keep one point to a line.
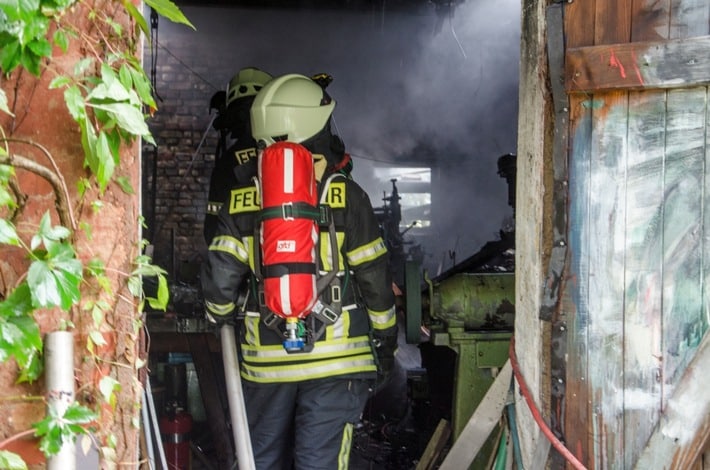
639 230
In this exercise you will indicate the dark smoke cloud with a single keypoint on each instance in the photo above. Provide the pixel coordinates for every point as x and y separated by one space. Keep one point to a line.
420 85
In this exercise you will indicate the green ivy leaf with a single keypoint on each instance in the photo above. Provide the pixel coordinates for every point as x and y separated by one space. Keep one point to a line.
55 281
8 235
135 287
161 301
10 55
105 163
109 90
58 428
19 302
97 338
61 39
23 332
96 267
40 47
77 414
11 461
3 101
125 185
142 86
19 334
114 144
137 16
108 386
129 117
28 6
30 61
47 234
6 172
124 75
88 142
75 103
170 11
59 82
97 315
82 66
32 370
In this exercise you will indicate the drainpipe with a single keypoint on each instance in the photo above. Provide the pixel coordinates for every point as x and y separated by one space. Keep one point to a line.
59 373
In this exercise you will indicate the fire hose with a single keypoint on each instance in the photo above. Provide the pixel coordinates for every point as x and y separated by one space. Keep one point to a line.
237 408
556 443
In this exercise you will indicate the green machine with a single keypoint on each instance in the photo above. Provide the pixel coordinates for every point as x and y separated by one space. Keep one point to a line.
473 314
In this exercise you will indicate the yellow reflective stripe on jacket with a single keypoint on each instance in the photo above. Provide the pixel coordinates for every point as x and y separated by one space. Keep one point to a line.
231 245
220 309
368 252
325 250
276 353
213 207
382 320
309 370
340 328
248 243
251 330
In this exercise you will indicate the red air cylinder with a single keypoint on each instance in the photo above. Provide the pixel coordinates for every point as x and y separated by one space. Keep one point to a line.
288 243
175 431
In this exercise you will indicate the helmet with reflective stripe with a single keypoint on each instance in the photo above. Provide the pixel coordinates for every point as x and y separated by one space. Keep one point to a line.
292 107
247 82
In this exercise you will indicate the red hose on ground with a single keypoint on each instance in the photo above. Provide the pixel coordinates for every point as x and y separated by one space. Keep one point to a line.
559 446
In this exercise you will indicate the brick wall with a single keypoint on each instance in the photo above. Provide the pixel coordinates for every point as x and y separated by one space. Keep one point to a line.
176 172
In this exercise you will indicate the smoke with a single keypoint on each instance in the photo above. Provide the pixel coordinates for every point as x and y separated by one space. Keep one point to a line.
428 85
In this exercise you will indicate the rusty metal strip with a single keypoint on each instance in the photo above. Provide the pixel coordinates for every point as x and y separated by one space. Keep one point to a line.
552 289
555 52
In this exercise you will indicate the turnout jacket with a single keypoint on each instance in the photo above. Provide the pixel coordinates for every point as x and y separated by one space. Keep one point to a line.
345 349
234 166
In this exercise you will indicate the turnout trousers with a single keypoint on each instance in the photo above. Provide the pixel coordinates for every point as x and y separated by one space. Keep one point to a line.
304 425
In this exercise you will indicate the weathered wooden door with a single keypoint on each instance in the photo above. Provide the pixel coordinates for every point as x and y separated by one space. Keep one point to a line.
637 239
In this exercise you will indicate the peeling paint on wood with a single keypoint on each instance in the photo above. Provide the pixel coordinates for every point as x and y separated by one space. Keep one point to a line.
636 232
643 292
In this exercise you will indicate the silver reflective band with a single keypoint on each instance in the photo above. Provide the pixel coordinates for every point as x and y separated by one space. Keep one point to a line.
175 438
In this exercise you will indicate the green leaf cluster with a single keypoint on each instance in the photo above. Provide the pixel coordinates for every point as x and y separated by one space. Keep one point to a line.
24 26
109 112
135 283
109 97
59 428
53 280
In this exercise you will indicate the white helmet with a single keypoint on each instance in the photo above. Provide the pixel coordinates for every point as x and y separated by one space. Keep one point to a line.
247 82
291 107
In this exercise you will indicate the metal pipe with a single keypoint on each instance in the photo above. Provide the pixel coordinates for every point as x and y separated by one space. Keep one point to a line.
237 408
59 374
154 420
147 432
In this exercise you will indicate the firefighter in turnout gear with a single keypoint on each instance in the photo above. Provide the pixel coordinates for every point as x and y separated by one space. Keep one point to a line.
302 406
235 156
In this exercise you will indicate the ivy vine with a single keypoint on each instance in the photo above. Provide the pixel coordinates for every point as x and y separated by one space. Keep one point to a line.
109 96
